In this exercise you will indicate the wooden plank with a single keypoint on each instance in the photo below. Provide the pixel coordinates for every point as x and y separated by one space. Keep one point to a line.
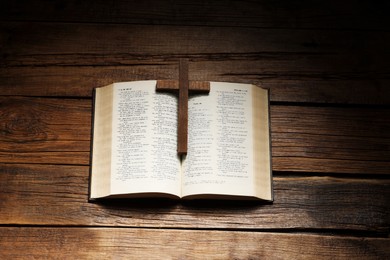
300 203
118 243
26 43
45 130
305 139
281 14
44 124
330 139
75 81
285 82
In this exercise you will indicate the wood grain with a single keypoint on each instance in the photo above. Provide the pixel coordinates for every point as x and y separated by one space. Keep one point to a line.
26 43
285 87
301 203
304 139
45 130
182 124
288 85
298 65
301 14
123 243
330 139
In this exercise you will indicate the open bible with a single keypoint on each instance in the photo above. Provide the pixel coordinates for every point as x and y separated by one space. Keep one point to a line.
135 139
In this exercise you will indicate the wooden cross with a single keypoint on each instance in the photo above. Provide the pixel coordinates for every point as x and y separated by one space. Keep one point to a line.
183 86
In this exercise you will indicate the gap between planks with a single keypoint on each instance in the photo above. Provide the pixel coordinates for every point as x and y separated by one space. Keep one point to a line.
292 231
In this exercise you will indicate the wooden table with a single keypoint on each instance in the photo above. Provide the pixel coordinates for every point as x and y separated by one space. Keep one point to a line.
327 65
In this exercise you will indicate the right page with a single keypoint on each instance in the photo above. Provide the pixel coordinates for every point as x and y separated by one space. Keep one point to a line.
226 129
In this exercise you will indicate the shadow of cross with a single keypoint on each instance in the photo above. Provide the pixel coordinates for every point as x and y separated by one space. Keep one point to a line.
184 87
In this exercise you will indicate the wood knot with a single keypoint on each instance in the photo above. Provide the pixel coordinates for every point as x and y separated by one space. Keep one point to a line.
21 123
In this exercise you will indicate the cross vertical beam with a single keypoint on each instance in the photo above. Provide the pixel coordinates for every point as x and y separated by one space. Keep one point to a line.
182 138
184 87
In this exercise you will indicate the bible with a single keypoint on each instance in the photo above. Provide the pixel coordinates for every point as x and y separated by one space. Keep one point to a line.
135 139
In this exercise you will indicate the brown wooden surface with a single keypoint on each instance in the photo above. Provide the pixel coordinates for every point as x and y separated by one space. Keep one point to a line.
182 124
327 65
114 243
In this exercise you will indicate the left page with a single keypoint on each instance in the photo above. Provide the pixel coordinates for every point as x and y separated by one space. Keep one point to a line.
144 160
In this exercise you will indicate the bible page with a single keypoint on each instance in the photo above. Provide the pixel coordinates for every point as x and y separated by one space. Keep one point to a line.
144 157
102 134
220 142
